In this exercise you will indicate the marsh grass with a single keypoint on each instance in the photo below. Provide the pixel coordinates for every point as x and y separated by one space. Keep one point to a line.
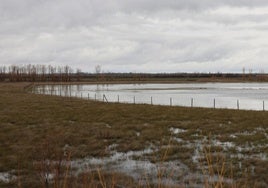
87 127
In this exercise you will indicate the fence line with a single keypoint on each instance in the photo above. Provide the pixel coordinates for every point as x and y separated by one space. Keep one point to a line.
171 102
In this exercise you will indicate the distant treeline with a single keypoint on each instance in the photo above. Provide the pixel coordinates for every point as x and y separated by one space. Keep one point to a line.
48 73
34 73
181 76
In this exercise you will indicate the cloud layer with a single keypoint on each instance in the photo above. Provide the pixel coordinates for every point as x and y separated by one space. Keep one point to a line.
136 35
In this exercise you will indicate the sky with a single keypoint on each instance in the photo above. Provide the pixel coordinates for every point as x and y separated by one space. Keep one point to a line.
136 35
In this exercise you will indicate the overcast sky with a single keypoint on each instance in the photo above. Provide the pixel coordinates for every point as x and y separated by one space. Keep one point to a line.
136 35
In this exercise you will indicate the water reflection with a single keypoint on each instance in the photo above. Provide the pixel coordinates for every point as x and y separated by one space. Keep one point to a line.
251 96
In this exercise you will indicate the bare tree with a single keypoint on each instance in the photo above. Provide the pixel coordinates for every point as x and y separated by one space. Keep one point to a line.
97 69
78 74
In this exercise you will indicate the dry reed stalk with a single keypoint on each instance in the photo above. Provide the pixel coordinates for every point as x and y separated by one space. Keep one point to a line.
68 166
101 178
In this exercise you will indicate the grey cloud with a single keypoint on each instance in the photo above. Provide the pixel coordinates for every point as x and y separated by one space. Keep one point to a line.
135 35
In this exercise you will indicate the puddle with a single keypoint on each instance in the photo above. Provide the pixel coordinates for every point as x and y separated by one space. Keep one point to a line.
224 145
196 157
6 177
179 140
176 130
118 161
251 133
233 136
135 164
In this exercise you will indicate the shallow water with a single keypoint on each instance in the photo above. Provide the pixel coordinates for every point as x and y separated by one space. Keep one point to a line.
249 96
6 177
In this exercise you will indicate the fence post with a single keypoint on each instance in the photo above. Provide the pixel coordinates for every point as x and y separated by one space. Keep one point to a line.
118 98
263 105
192 102
214 103
170 101
134 100
81 96
237 104
151 100
88 96
104 98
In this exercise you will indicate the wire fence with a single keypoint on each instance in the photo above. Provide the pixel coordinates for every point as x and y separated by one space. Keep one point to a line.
193 102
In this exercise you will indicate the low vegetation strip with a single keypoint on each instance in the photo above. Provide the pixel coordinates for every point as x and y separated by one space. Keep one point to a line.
50 141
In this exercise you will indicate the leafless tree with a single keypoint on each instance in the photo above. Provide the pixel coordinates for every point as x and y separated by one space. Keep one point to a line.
97 69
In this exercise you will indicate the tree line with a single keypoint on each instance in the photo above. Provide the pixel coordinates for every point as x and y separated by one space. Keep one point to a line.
35 73
48 73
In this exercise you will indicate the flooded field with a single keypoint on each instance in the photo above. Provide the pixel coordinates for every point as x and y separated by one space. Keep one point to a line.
249 96
191 153
138 145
